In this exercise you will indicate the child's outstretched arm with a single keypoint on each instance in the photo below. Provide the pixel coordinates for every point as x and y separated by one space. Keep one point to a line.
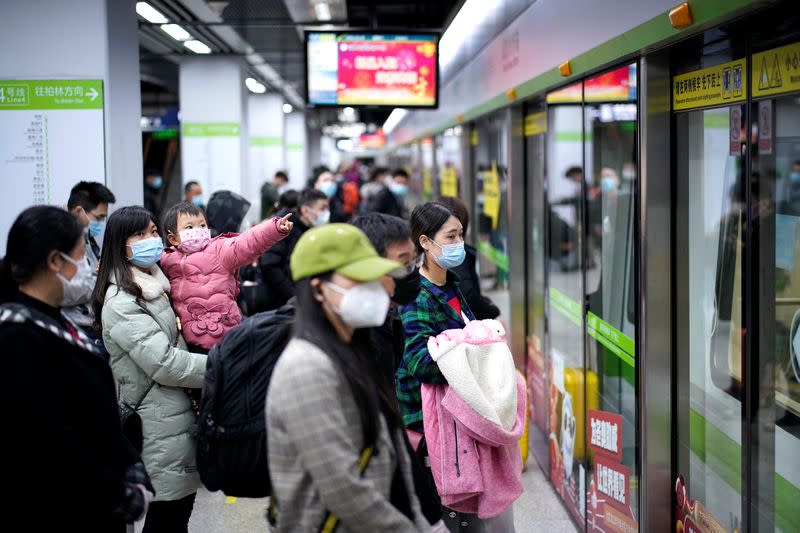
243 249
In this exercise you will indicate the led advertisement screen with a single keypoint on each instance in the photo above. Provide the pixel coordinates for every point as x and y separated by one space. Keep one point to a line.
368 69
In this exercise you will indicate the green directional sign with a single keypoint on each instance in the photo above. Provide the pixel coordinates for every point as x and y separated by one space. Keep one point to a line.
211 129
51 94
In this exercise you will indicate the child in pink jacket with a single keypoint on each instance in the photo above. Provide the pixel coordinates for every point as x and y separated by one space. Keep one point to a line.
202 271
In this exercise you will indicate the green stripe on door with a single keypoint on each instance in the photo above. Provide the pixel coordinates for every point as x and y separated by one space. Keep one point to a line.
723 455
612 338
566 306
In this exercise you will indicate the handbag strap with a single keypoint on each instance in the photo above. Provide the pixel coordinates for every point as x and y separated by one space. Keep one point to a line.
136 407
331 521
146 310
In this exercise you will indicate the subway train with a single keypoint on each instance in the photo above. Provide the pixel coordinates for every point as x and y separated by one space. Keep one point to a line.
633 174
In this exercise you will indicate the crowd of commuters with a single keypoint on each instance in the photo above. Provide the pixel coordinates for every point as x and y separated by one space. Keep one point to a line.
126 307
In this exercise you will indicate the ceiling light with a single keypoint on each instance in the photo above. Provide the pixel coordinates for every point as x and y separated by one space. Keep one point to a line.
176 32
287 108
467 23
150 14
394 119
345 145
197 47
255 86
323 11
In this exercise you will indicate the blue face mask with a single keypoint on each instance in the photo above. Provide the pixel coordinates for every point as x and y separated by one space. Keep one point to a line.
157 182
399 189
96 228
328 188
452 254
146 252
794 177
198 200
608 184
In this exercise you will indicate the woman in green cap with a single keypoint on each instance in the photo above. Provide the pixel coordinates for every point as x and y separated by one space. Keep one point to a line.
335 440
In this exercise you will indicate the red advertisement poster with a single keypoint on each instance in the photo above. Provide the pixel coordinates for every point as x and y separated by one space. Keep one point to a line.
691 516
616 86
605 434
393 72
612 482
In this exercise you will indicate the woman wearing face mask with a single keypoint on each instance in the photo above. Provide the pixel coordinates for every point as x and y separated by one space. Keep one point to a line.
334 433
150 362
439 238
66 427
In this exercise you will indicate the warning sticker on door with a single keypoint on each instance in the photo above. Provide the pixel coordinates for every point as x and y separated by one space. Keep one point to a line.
776 71
721 84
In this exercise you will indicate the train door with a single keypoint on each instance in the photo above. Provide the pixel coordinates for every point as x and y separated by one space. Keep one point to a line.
736 105
592 166
537 360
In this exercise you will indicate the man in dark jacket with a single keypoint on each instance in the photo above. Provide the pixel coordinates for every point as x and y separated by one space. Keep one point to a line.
380 197
312 210
391 238
467 272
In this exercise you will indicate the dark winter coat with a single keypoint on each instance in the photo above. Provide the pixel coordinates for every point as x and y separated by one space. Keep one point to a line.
67 460
274 264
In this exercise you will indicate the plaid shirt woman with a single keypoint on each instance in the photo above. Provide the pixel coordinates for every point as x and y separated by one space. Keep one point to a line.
439 306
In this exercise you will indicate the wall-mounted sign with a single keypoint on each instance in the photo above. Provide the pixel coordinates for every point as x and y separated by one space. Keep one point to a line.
449 184
720 84
51 137
776 71
491 194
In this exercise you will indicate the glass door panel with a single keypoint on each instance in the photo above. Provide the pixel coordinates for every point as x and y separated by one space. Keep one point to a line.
567 413
611 161
535 128
776 164
491 208
709 258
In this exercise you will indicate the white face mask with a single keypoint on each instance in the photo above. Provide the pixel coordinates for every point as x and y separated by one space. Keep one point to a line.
362 306
74 289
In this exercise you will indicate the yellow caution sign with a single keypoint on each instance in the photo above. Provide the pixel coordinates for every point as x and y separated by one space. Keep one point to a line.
473 137
491 194
449 184
721 84
427 184
776 71
535 124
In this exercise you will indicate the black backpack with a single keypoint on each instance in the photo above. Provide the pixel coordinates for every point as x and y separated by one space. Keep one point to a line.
232 434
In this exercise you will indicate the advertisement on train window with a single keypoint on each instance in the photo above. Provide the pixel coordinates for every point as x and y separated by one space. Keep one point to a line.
372 69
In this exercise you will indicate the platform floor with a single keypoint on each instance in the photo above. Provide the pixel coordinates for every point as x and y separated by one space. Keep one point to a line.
538 509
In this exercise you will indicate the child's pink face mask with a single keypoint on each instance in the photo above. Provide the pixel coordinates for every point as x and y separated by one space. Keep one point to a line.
194 239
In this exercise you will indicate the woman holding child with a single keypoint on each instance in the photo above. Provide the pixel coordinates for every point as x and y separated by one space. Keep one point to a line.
149 361
149 357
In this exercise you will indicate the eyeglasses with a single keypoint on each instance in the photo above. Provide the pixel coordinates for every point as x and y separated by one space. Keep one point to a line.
409 269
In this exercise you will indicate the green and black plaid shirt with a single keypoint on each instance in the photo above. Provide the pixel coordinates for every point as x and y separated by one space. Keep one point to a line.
428 316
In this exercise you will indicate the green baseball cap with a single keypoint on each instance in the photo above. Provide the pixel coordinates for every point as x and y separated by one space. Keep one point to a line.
339 248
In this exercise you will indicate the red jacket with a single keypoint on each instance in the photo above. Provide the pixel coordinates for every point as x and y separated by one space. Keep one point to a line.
204 285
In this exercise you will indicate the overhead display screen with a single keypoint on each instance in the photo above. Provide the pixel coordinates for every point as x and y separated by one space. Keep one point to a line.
368 69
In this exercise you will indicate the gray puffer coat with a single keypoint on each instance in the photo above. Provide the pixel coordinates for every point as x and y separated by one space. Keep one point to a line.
146 347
